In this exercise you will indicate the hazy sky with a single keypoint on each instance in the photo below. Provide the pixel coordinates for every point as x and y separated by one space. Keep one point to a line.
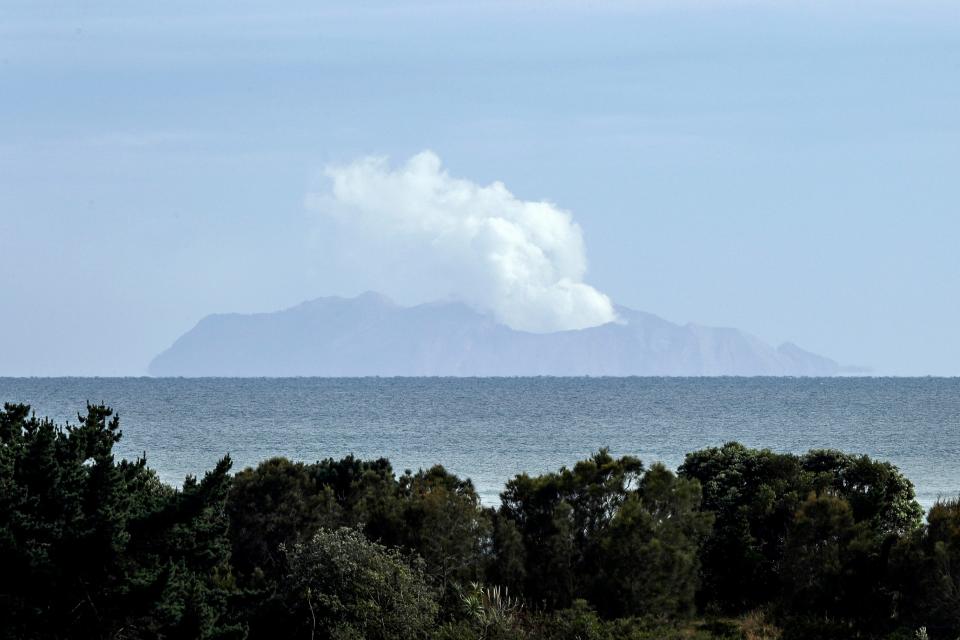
788 168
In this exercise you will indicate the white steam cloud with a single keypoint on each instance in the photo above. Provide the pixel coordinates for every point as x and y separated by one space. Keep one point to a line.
423 234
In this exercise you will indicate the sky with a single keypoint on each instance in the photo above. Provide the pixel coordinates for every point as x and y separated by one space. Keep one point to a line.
791 169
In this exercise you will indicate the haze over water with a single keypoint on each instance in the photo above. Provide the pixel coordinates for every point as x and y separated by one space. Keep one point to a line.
489 429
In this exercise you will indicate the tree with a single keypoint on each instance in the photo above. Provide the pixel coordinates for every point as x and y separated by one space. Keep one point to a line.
926 572
559 516
341 585
277 503
508 564
834 573
625 541
364 490
650 563
753 495
441 519
89 543
877 492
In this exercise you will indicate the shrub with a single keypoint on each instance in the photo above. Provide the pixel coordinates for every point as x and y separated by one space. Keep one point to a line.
342 585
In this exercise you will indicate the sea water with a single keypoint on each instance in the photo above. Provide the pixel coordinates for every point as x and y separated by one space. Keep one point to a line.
489 429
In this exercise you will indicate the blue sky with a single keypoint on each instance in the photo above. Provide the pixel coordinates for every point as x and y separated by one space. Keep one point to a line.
790 169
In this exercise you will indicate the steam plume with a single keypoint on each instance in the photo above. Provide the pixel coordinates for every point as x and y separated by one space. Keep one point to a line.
420 233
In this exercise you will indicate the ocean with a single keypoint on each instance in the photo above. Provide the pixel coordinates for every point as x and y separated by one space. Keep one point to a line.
489 429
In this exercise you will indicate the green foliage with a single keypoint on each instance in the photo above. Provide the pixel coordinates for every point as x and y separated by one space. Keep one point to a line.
488 613
755 496
341 585
89 543
833 574
625 541
508 565
277 503
441 519
581 622
877 492
827 545
926 572
431 513
559 517
649 563
364 492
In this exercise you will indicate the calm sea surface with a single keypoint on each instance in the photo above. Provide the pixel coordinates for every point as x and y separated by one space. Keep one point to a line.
491 428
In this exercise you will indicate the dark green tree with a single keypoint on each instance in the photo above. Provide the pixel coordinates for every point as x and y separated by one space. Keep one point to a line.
442 521
650 551
89 543
559 517
625 541
754 495
276 503
877 492
508 563
834 571
365 491
926 572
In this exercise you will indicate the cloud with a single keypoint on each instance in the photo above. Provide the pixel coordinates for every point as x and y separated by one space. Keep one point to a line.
416 234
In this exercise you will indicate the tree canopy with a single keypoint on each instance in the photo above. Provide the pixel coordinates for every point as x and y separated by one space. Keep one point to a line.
825 544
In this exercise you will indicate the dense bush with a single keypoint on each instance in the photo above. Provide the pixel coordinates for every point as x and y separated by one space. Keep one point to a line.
823 545
753 496
93 547
762 503
926 570
342 585
431 513
606 532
